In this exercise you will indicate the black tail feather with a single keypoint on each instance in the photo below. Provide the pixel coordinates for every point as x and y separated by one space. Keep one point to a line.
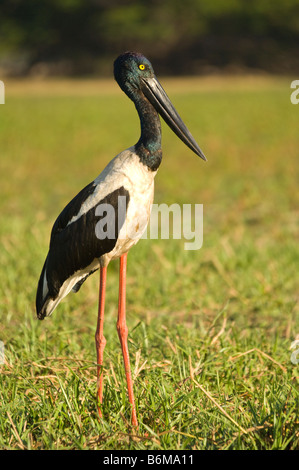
41 301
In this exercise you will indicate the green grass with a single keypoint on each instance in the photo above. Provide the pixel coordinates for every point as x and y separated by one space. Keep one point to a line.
210 330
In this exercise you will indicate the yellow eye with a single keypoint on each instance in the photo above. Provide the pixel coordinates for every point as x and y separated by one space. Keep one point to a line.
142 66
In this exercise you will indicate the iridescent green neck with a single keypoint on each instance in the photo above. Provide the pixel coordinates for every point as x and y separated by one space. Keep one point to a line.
148 147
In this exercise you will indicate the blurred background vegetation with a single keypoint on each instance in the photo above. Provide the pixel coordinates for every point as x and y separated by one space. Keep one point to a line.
221 319
82 37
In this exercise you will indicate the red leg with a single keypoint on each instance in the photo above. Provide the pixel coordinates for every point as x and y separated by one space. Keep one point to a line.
100 338
122 330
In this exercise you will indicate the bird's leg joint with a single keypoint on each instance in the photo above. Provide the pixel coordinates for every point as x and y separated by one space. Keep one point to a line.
122 330
100 340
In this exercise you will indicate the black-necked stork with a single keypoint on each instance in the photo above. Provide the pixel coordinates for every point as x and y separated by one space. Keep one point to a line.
110 214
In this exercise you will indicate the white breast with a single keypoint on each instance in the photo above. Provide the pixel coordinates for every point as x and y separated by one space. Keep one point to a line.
127 170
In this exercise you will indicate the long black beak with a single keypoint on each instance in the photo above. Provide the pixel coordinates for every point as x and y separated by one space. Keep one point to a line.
155 93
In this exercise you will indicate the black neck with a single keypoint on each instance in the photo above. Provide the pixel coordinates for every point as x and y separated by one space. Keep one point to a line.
148 146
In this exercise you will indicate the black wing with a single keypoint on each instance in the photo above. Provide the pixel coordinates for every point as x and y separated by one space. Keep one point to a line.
72 208
74 246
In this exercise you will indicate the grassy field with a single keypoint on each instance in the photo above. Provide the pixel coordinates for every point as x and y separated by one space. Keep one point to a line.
210 331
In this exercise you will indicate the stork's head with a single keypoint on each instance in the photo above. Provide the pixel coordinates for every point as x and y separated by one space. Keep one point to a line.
130 69
136 77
